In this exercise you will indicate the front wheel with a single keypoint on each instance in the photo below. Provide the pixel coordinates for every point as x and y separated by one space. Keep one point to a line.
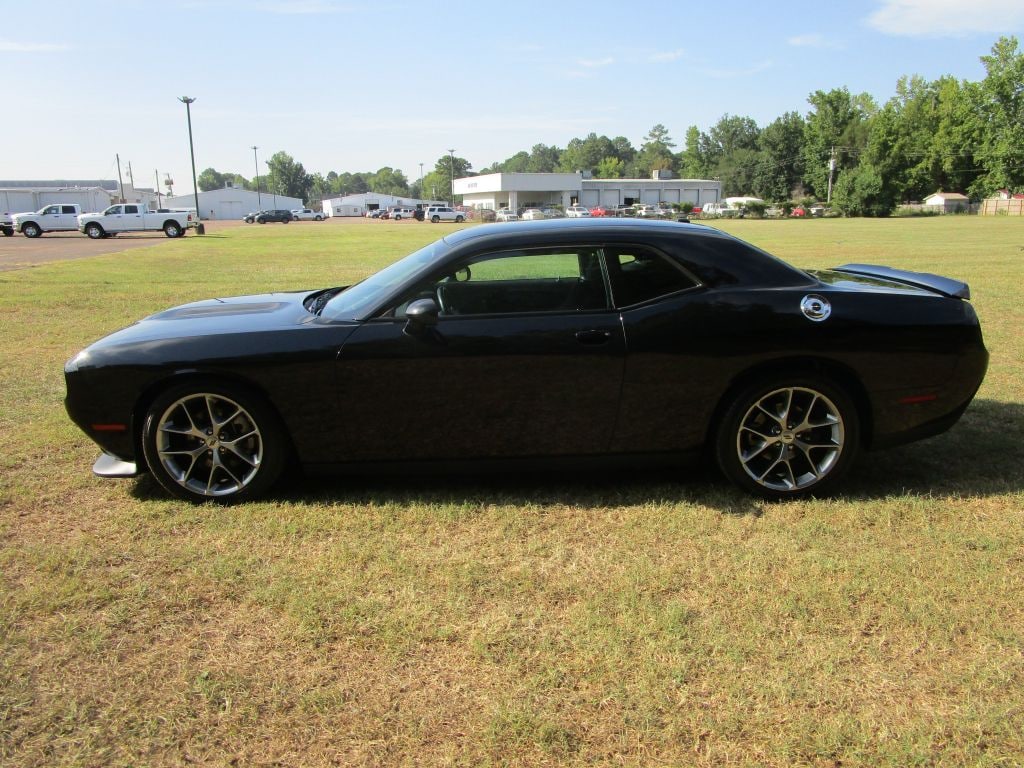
171 229
94 231
434 219
459 219
318 218
788 437
31 230
206 441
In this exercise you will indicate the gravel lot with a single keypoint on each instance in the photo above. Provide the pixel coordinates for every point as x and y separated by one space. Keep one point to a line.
20 252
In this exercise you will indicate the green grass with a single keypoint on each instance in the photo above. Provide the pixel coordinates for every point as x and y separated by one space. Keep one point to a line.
660 619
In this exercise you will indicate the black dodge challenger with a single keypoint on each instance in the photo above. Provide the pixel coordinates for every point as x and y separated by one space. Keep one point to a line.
526 344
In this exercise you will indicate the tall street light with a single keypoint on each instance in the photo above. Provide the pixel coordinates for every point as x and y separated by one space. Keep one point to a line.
259 200
187 101
452 153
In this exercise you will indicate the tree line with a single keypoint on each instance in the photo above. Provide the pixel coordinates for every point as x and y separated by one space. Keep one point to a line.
945 134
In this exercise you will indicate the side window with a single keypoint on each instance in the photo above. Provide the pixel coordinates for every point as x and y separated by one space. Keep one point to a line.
131 209
67 208
639 274
112 210
514 282
52 209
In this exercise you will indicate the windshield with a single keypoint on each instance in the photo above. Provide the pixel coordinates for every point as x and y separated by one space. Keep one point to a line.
354 303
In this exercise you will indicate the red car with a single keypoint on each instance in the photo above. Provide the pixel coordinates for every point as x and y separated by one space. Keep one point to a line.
599 210
798 212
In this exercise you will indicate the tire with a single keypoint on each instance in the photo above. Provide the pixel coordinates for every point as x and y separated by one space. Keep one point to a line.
318 218
208 441
434 219
459 219
285 221
788 437
398 218
31 229
261 221
94 231
171 229
8 231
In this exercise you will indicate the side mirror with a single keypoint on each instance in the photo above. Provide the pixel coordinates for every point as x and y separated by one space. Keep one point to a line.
421 313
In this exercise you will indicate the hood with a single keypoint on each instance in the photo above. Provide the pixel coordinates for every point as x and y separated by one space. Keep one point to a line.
235 315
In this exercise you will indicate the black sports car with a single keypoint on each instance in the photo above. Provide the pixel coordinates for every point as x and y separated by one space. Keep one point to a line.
569 339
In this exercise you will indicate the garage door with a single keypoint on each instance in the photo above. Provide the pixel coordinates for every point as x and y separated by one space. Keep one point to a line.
670 195
651 196
610 198
590 197
231 209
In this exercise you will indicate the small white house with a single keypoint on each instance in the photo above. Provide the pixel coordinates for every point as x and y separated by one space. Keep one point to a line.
948 202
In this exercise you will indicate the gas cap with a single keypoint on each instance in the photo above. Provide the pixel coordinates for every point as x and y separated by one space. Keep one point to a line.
815 307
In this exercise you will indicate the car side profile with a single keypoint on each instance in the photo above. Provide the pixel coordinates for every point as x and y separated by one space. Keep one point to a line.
538 345
278 215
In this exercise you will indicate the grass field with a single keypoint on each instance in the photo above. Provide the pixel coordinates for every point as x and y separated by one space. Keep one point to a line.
634 620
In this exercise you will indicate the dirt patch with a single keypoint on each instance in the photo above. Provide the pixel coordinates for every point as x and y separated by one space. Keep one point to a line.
19 252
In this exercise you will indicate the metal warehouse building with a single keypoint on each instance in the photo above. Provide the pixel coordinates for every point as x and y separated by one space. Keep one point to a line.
232 202
526 190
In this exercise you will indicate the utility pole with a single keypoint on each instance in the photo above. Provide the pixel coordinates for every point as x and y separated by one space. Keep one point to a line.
452 166
156 173
120 183
188 101
131 176
259 200
831 171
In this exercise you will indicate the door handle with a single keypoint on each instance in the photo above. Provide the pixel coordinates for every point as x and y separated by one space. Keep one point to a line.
593 336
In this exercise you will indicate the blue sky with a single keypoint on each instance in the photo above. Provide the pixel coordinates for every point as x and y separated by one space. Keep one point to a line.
350 86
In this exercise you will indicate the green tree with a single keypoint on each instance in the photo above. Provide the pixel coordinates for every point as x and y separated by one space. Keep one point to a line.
543 159
209 180
999 101
781 164
610 168
838 122
287 177
693 160
656 151
860 192
388 181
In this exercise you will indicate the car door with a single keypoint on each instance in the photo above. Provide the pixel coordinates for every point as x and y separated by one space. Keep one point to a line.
526 360
49 219
132 219
68 217
113 219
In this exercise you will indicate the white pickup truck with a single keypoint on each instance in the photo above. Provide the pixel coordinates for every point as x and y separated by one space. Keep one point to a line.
59 217
136 217
6 224
306 214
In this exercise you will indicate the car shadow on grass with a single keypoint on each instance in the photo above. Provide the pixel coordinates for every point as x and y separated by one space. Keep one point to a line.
982 455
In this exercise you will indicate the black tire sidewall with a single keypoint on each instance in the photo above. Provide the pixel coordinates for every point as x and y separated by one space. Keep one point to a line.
275 444
740 402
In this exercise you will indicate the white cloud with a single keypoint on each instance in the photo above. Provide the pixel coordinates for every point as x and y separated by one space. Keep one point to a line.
13 46
596 63
813 40
947 18
666 56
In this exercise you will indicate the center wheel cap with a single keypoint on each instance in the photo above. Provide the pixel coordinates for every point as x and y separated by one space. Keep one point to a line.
787 437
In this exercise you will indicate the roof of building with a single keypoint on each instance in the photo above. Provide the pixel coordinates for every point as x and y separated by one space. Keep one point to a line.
950 196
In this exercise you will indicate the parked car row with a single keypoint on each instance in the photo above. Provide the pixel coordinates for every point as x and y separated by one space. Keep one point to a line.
282 216
432 213
582 212
116 219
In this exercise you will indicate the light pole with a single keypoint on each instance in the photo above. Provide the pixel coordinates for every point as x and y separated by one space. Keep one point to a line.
421 180
259 200
187 101
452 166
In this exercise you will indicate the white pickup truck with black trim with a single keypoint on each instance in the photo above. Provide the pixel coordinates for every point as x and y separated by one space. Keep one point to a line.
136 217
57 217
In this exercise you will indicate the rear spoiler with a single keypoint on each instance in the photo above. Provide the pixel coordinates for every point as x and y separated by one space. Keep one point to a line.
944 285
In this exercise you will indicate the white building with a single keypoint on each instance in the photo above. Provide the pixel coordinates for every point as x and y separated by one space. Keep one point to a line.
358 205
536 190
92 196
948 202
232 203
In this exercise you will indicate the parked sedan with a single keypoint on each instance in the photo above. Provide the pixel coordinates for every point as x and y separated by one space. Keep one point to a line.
599 211
281 216
540 343
533 214
577 212
506 214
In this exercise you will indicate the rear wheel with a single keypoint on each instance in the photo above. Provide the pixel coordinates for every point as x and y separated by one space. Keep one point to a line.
31 229
94 231
208 441
789 436
458 219
171 229
261 221
434 219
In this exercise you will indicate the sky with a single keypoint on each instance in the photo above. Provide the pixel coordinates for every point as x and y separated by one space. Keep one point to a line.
348 86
